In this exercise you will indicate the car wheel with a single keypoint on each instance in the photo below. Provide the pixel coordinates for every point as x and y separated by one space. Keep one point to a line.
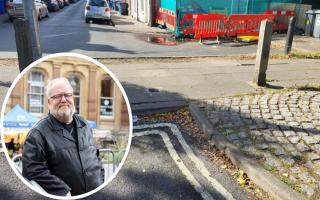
87 21
47 12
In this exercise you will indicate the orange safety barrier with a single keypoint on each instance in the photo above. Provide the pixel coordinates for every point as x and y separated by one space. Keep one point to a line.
246 24
281 19
203 25
214 25
209 25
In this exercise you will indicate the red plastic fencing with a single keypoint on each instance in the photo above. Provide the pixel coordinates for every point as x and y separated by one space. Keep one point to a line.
187 24
281 19
246 24
166 18
213 25
209 25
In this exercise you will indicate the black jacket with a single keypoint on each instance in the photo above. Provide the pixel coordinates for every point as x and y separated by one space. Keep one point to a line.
57 162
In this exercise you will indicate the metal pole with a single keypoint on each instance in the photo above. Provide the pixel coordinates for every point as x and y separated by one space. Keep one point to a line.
32 18
268 5
231 10
290 33
179 18
247 7
238 7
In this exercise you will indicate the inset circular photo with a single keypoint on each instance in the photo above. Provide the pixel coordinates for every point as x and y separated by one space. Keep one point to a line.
66 126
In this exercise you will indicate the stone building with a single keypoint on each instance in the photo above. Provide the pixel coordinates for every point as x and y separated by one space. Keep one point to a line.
97 96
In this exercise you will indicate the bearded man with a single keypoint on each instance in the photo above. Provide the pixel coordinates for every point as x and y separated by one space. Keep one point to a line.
59 153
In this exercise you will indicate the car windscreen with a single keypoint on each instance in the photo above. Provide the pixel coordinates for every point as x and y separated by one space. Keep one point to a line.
100 3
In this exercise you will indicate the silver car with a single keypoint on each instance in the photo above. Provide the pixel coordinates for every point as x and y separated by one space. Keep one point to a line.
97 10
15 9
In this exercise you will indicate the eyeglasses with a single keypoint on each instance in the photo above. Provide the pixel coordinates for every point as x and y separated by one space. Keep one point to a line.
59 96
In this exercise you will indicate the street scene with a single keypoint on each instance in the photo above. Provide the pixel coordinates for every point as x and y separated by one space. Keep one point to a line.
204 126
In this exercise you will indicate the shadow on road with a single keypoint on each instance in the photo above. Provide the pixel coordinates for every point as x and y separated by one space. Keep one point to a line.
65 37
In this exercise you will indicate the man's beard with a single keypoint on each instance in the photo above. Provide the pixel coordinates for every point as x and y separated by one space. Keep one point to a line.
62 114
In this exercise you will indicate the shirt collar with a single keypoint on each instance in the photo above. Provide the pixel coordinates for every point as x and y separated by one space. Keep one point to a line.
56 125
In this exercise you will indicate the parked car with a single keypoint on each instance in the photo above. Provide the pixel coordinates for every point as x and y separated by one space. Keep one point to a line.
66 2
52 5
15 9
97 10
61 4
73 1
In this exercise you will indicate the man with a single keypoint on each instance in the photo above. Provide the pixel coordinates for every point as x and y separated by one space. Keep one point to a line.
59 153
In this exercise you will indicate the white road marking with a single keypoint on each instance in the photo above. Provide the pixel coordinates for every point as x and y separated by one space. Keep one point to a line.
205 195
58 35
197 162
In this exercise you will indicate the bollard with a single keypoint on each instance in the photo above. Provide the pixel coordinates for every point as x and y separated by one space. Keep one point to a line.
289 40
263 51
23 43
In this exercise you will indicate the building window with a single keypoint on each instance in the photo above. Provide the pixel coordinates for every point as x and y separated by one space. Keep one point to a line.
107 98
36 92
75 83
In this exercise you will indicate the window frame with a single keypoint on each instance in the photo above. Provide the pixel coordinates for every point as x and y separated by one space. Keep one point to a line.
104 117
41 94
76 96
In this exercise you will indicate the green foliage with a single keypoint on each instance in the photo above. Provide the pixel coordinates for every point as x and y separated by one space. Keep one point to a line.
289 182
269 167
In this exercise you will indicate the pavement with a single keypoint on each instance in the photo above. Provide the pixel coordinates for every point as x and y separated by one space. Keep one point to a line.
300 43
280 131
151 85
167 84
3 18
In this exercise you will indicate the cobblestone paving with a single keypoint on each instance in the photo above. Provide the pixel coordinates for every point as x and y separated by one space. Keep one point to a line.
281 131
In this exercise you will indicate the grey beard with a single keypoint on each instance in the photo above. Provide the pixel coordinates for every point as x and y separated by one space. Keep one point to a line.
62 116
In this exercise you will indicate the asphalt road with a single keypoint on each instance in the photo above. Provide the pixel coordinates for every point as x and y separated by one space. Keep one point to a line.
150 172
66 31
